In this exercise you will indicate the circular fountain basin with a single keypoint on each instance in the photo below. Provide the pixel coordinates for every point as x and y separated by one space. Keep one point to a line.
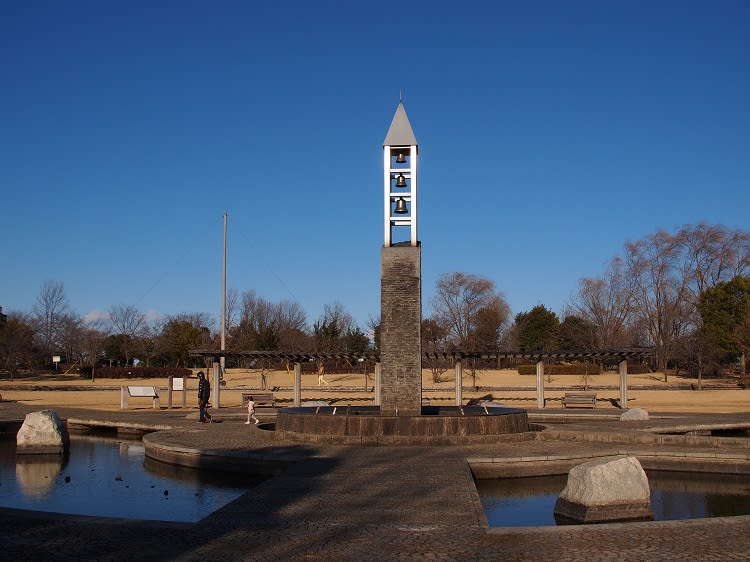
436 425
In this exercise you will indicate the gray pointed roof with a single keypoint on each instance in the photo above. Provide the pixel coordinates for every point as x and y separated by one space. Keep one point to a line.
400 133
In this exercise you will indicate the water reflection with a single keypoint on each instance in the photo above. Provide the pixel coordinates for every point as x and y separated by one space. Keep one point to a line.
530 502
685 495
109 477
36 474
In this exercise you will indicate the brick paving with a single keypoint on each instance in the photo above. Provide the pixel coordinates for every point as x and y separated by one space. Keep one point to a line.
377 503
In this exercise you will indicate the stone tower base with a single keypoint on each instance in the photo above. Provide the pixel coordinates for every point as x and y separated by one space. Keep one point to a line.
401 329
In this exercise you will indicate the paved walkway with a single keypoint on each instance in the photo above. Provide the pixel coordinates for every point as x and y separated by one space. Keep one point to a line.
377 503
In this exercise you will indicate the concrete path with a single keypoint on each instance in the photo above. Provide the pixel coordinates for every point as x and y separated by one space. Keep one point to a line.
377 503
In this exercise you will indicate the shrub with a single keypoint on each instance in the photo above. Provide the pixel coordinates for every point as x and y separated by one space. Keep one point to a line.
576 369
638 368
136 372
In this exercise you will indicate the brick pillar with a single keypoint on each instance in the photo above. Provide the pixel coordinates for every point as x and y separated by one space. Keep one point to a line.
401 329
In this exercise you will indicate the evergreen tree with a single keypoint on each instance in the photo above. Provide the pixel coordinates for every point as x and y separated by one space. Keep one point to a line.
724 309
538 330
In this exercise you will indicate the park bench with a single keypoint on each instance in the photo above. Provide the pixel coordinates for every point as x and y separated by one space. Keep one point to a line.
261 399
127 392
582 399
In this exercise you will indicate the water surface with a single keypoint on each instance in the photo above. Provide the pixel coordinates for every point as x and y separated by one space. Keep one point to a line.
110 477
530 502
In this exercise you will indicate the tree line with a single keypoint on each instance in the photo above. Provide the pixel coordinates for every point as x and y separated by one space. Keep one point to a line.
126 337
685 295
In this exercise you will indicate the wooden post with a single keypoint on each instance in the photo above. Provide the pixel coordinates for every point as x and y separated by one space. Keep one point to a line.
459 383
217 386
540 385
297 385
623 384
123 397
170 388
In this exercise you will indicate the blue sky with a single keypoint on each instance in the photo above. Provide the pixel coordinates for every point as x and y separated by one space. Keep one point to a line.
550 133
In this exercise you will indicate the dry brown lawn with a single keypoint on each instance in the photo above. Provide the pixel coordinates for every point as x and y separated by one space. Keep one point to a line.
103 394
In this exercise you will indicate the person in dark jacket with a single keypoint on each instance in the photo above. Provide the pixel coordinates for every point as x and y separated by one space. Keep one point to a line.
204 393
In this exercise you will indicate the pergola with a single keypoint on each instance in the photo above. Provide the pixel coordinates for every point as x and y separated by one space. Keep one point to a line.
621 356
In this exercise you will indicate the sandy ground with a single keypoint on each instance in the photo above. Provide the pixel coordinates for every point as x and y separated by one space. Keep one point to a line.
506 386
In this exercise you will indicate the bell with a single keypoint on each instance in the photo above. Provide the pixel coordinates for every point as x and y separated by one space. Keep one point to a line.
400 181
401 206
401 158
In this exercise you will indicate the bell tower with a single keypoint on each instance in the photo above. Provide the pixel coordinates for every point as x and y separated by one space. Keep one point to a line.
400 180
400 274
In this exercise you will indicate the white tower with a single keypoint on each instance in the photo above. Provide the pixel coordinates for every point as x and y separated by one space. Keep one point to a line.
400 180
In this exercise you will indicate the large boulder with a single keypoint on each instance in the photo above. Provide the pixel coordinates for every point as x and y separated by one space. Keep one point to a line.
43 433
606 489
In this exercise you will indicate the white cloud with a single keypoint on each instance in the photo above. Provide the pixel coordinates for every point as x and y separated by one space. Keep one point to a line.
96 316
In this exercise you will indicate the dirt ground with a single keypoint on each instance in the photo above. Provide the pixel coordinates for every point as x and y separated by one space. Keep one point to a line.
648 391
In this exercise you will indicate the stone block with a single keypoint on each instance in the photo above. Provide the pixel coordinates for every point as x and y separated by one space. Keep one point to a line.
634 414
607 489
43 432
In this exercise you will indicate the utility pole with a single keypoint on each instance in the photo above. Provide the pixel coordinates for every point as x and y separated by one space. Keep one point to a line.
224 297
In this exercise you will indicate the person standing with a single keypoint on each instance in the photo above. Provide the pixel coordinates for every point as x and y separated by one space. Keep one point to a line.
251 411
204 393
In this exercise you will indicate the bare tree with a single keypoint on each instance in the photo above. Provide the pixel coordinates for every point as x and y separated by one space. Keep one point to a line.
489 323
16 342
660 295
258 327
50 307
473 312
129 322
651 297
434 344
605 302
330 328
232 309
92 344
465 303
713 254
263 325
292 322
70 338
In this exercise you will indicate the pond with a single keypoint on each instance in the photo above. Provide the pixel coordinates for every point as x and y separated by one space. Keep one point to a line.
109 477
530 502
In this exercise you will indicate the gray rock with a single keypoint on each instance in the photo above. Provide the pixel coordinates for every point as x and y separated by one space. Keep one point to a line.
634 414
606 489
42 433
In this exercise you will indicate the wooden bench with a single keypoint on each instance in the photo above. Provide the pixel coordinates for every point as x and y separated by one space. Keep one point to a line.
583 399
261 399
139 392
